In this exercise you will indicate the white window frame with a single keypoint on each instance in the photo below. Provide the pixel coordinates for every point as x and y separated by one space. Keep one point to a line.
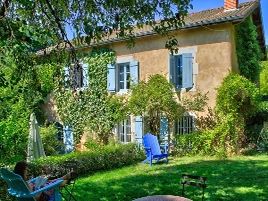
126 76
124 131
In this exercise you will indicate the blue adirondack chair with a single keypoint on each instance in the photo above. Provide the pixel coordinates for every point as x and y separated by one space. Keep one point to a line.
152 149
17 186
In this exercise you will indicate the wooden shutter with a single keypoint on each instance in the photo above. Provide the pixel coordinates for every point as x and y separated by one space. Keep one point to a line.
187 70
68 139
138 129
134 72
172 71
85 75
111 78
163 129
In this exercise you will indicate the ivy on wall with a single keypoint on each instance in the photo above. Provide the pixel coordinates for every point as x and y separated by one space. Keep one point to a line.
248 50
92 109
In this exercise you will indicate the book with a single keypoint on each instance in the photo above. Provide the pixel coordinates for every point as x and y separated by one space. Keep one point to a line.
40 182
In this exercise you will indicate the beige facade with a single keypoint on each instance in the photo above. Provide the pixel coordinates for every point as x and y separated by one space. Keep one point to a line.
214 57
213 49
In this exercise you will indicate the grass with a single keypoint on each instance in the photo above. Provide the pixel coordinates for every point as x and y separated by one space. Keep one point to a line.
237 178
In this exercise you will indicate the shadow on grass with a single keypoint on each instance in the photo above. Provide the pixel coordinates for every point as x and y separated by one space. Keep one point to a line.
227 180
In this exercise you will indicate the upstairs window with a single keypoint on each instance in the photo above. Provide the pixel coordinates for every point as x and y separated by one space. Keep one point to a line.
76 76
121 75
181 70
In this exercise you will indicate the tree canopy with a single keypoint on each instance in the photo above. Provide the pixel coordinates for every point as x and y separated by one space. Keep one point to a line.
91 19
28 26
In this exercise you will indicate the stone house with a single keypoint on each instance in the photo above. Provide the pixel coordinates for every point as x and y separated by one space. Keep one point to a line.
207 53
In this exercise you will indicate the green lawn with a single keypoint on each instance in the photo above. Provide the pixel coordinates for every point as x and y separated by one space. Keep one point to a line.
238 178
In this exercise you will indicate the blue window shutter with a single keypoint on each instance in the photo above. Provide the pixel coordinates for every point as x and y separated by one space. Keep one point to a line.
187 70
164 129
111 78
134 72
138 129
66 77
68 139
85 75
172 69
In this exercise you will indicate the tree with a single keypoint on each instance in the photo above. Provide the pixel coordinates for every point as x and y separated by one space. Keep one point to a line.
264 78
154 99
96 19
30 29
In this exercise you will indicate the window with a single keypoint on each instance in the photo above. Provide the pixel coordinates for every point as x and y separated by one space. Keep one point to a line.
124 131
121 75
181 70
76 76
185 125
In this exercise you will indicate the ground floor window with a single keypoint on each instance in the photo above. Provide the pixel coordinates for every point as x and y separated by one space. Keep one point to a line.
184 125
124 131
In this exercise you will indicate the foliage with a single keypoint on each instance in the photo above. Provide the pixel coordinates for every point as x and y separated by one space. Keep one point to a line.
207 122
236 178
88 162
52 145
196 102
237 101
237 96
248 50
222 132
24 84
264 78
93 21
153 99
92 108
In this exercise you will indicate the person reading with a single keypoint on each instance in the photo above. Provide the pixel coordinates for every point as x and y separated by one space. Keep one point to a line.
21 168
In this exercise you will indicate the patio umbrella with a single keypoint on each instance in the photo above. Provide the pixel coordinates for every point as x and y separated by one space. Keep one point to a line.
35 146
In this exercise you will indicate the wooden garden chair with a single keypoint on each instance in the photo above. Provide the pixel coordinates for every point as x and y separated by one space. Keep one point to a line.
152 149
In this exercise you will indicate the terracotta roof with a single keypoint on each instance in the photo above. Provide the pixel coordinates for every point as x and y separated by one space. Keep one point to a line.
202 18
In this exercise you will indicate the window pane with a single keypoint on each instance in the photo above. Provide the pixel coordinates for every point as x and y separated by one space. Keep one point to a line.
179 71
185 125
121 85
124 76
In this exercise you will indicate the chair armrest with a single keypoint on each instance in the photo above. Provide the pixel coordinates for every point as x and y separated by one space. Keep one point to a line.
52 185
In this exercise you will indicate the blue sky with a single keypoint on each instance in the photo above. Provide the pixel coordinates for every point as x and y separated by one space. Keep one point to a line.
200 5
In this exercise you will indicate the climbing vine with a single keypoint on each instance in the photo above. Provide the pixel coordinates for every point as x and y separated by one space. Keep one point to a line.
93 108
248 51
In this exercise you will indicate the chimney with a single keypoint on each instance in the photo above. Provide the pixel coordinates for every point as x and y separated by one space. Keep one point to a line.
230 5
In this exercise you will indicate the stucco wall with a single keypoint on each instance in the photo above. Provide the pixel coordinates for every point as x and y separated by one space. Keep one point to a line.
215 55
214 58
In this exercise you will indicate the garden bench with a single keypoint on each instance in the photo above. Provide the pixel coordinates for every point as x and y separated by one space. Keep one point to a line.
193 180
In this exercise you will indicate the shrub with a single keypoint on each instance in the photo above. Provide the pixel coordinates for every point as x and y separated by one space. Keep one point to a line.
87 162
223 133
264 78
52 145
248 49
237 95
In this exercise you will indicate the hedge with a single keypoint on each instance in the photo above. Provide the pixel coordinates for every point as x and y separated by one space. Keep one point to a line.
84 163
88 162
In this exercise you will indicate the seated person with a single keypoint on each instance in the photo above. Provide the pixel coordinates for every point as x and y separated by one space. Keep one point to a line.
21 168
